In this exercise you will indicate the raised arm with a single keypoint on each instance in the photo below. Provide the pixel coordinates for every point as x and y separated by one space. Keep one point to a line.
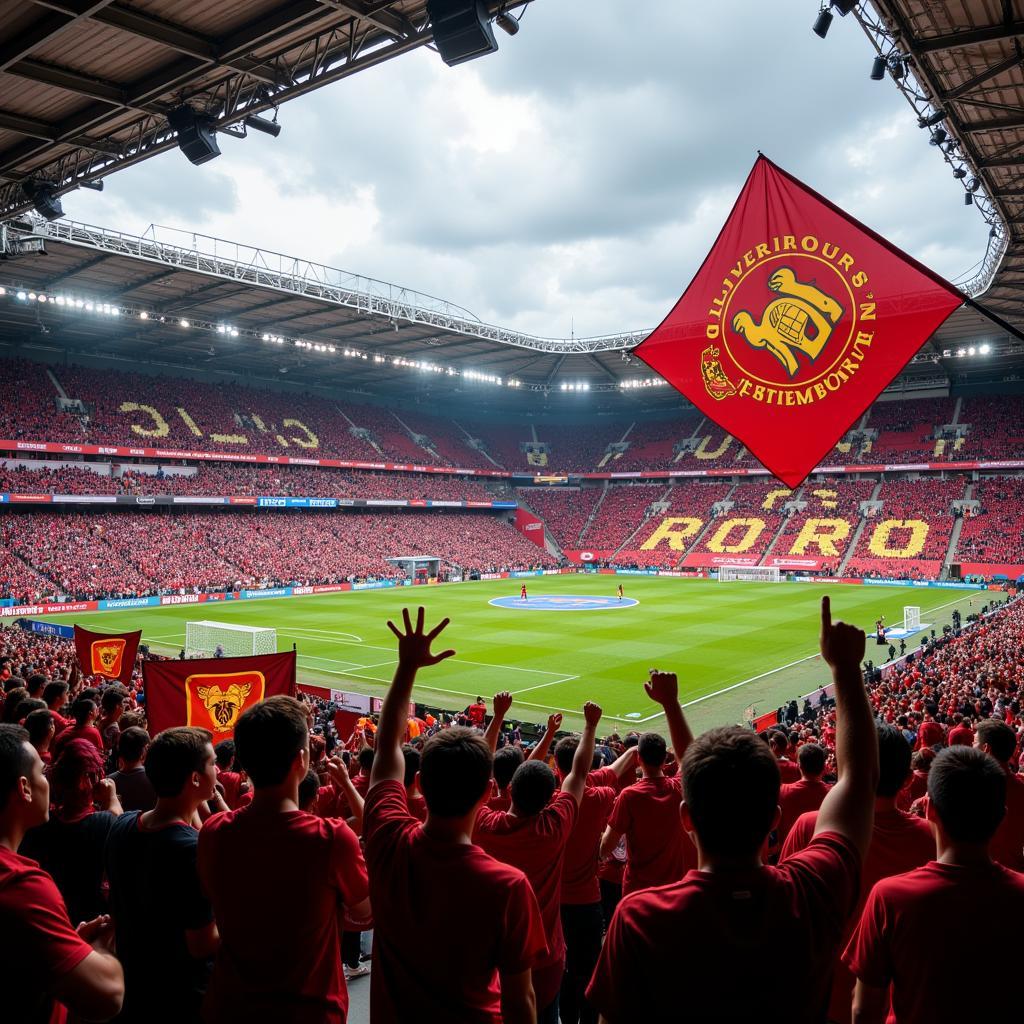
849 806
337 772
540 750
413 654
576 781
501 703
625 762
663 689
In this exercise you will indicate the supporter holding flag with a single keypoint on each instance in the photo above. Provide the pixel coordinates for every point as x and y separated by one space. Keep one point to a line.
915 935
481 972
163 922
533 837
899 842
280 881
69 845
46 959
726 933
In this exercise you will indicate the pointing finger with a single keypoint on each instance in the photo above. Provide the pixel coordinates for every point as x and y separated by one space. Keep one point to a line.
826 613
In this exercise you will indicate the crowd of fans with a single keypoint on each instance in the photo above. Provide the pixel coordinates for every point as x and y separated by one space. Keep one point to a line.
163 878
565 511
992 532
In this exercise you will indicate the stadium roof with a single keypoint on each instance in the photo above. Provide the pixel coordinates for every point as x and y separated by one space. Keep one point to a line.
86 85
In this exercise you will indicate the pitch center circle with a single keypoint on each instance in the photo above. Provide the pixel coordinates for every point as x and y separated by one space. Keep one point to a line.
562 603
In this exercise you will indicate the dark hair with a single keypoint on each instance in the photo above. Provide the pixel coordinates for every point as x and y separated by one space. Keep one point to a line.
27 706
651 749
811 759
81 710
15 760
13 699
131 746
999 738
54 689
412 764
731 782
309 789
565 753
455 771
365 758
967 788
893 760
224 752
38 724
174 755
113 697
506 761
36 682
533 785
268 738
922 760
778 740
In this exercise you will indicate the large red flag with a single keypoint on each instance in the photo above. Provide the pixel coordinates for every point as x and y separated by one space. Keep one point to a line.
111 655
796 321
212 692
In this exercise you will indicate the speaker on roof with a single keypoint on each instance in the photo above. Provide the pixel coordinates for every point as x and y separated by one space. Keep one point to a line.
462 30
196 136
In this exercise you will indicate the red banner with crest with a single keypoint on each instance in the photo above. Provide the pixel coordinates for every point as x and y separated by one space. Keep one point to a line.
111 655
212 693
797 320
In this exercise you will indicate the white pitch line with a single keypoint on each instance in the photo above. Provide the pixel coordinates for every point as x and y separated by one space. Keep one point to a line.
540 686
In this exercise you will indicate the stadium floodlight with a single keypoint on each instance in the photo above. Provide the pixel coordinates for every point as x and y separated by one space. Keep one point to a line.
973 185
40 298
960 173
143 315
31 296
985 349
3 290
44 199
261 124
507 23
878 66
932 119
822 23
938 137
897 66
23 296
972 350
183 322
92 186
961 352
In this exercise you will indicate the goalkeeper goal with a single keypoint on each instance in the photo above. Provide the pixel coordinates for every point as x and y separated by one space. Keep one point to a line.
748 574
203 638
911 618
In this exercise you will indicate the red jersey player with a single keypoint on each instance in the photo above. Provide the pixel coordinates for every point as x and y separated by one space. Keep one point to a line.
522 593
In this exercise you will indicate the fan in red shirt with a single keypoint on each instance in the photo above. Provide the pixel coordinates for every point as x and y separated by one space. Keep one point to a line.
912 934
999 740
280 880
46 959
424 877
232 781
789 771
506 761
83 714
647 814
796 798
477 713
931 733
917 785
961 734
899 842
533 837
710 946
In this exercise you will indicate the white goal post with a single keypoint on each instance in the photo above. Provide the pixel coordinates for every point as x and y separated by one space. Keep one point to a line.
203 638
911 618
748 574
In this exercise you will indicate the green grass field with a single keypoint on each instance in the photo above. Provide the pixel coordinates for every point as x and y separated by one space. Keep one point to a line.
733 645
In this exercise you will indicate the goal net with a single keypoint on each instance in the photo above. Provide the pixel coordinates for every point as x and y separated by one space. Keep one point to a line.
203 638
749 574
911 618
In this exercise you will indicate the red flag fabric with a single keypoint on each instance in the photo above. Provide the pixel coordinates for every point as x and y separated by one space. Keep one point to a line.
111 655
796 321
212 692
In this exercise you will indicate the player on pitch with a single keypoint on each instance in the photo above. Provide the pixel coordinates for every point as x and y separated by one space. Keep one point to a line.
620 591
522 593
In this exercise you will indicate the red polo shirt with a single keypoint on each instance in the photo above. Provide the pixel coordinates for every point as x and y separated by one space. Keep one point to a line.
579 875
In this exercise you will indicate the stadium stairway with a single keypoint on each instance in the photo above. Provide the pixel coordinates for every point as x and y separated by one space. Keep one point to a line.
954 537
795 496
855 539
593 514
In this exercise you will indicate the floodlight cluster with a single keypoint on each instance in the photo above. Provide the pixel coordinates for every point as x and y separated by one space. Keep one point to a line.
642 382
573 386
967 350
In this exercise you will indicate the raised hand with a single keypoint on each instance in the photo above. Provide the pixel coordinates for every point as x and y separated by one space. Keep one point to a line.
842 645
662 687
591 714
414 645
502 702
337 772
554 723
105 794
99 933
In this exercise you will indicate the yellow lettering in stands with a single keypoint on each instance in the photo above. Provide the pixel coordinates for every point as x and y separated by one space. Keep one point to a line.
677 530
882 545
189 422
159 428
312 440
823 534
751 530
773 496
828 498
701 451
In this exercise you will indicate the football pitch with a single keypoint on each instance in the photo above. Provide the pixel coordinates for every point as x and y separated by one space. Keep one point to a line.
733 645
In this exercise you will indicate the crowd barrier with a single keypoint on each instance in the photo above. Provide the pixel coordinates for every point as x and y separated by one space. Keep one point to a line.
261 501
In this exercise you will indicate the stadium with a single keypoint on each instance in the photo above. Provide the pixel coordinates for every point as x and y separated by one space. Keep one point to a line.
243 453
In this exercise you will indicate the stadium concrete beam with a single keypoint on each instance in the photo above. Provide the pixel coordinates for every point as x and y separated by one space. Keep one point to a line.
43 30
972 37
394 24
75 82
981 78
53 282
48 132
997 124
176 306
148 280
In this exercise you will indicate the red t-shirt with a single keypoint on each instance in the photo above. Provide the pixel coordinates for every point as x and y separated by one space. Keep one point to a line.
962 734
278 883
232 783
1008 842
40 944
536 845
500 801
917 787
929 734
908 936
477 713
796 798
899 843
435 959
87 732
659 851
789 771
709 947
607 777
417 806
579 874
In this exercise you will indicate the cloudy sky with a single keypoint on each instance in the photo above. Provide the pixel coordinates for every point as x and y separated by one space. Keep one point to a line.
574 180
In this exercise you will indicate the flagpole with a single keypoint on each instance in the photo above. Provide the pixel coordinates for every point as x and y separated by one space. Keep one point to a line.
994 317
